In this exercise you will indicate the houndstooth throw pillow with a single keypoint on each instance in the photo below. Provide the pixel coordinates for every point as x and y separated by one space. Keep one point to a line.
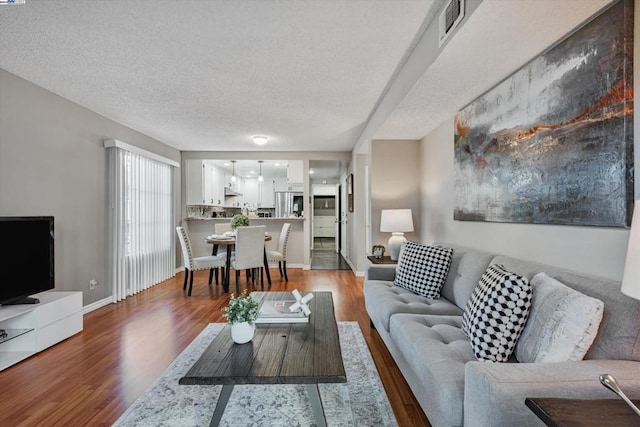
496 313
423 269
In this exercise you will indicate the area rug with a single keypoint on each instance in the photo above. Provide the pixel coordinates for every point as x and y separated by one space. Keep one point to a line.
361 401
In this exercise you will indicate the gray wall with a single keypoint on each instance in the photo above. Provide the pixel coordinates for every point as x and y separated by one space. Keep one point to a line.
53 162
395 182
596 250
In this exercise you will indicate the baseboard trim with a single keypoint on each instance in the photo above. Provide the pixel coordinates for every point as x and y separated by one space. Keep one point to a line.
96 305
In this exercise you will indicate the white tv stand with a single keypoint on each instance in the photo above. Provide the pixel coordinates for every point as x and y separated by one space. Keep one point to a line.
32 328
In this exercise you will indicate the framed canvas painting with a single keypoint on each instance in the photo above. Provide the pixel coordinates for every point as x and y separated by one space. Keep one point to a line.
553 142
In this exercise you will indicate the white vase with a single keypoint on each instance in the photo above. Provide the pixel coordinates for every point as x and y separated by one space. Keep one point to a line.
242 332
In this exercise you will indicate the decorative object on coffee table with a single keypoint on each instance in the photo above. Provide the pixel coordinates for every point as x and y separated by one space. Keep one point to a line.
241 314
287 310
301 302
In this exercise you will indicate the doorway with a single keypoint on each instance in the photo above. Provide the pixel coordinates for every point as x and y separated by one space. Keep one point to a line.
325 254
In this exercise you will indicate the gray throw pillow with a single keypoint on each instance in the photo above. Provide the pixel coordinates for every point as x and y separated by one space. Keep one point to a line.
562 323
495 314
423 269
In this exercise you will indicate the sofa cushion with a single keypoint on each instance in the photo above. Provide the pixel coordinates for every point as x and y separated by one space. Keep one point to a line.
437 350
496 314
619 335
423 269
562 323
383 299
467 265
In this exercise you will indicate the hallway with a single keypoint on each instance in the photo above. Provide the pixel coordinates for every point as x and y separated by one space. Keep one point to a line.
325 257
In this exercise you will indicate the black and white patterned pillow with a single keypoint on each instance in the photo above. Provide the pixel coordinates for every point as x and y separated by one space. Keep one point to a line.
423 269
496 313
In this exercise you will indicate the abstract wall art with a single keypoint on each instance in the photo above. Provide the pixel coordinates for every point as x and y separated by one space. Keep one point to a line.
553 143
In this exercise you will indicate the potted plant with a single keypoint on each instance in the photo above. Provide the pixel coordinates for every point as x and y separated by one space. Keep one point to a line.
239 220
241 313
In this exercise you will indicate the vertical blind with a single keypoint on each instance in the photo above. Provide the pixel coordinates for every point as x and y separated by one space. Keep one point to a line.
141 250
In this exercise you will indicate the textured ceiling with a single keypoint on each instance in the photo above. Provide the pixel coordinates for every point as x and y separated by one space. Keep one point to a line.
207 75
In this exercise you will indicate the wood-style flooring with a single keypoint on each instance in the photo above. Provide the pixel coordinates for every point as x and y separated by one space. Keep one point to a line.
91 378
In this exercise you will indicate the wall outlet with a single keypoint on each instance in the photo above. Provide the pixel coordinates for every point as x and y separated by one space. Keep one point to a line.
92 284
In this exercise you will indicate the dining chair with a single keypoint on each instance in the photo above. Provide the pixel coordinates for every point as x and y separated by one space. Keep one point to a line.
249 253
280 255
220 228
191 263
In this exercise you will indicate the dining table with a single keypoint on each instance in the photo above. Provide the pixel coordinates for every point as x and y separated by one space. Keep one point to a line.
229 240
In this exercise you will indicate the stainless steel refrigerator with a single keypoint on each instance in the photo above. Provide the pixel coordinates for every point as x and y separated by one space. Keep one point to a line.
289 203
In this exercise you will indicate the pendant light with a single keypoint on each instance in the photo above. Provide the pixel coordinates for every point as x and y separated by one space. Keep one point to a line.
233 176
260 178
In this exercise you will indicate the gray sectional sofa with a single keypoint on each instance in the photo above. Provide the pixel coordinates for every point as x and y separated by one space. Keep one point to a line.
425 338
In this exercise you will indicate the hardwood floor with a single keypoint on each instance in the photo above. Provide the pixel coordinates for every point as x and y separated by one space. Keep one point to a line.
91 378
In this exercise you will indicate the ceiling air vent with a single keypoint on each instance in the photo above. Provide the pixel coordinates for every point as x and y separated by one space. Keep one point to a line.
449 19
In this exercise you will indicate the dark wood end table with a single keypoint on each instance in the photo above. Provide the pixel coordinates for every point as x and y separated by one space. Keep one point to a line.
556 412
384 260
280 353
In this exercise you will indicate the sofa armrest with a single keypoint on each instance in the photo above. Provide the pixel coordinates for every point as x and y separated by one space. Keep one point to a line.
380 272
494 393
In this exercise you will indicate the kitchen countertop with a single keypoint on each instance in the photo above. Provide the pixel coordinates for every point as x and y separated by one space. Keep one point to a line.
297 218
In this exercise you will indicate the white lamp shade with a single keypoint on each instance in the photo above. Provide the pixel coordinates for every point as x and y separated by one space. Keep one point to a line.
396 220
631 277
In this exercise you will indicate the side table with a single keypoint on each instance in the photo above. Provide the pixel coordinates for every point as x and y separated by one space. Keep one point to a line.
583 412
383 260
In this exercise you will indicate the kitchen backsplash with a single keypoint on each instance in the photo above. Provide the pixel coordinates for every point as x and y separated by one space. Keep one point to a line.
202 211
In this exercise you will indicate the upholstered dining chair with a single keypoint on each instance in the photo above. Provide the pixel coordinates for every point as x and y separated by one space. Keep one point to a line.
222 227
191 263
249 253
280 255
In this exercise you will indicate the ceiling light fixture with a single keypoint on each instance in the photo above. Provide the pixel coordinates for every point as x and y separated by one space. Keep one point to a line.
260 178
260 139
233 176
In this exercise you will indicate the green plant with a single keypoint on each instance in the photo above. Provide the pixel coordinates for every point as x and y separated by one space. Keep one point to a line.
239 220
242 308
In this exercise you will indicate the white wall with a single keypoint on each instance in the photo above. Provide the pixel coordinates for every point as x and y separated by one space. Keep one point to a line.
53 162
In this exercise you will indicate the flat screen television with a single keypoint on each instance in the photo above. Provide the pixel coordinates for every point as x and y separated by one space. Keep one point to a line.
27 263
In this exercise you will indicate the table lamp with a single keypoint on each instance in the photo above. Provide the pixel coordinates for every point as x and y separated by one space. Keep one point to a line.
396 222
630 287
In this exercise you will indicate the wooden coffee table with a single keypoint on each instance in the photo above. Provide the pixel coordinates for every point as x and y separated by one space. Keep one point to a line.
280 353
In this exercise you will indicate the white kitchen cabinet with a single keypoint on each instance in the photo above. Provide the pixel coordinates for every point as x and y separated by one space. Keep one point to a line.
267 196
295 174
194 177
251 192
280 184
205 183
213 185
